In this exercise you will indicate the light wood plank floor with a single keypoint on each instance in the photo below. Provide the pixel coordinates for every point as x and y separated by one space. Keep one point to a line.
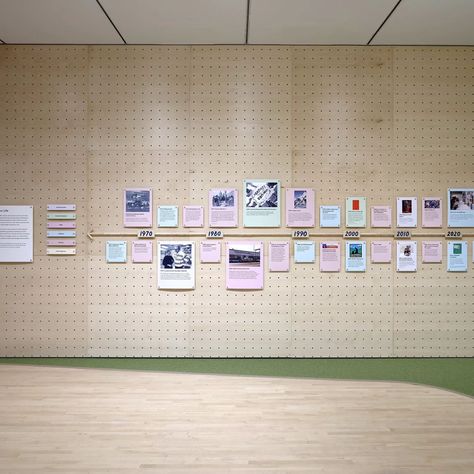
60 420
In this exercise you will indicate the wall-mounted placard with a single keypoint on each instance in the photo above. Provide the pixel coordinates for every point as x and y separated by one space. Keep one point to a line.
116 251
457 256
61 207
305 251
330 257
223 207
60 243
406 256
61 233
193 216
407 212
61 225
381 216
381 251
142 251
431 212
137 208
356 256
16 234
300 207
262 203
356 212
279 256
62 216
244 265
167 216
461 207
330 216
431 251
60 251
210 252
176 265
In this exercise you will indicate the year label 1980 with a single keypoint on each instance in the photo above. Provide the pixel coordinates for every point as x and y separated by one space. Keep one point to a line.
215 234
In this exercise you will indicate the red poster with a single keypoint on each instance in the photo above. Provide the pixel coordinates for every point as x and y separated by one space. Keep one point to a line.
355 205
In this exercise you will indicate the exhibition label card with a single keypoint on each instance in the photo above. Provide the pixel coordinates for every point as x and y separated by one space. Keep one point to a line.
461 207
300 207
60 243
356 212
61 216
210 252
431 251
305 251
193 216
16 234
137 208
176 265
60 251
62 225
356 256
262 203
142 251
279 256
223 208
381 251
406 256
244 265
457 256
61 233
407 212
431 212
167 216
116 251
61 207
330 257
381 216
330 216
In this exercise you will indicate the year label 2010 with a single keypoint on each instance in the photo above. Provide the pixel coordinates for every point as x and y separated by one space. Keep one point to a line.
403 234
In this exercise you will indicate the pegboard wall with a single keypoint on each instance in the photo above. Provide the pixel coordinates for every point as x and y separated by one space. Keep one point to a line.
79 124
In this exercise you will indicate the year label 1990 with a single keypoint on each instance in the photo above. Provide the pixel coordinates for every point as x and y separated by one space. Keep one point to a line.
403 234
351 234
215 234
300 234
453 234
146 234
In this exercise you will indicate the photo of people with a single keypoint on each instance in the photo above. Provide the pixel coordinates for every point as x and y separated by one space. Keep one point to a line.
223 198
261 194
461 200
176 256
406 206
355 250
407 250
247 255
137 201
300 200
432 203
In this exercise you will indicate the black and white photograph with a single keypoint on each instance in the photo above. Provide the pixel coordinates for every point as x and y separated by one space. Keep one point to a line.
176 256
432 203
223 198
247 255
137 201
300 199
261 194
462 200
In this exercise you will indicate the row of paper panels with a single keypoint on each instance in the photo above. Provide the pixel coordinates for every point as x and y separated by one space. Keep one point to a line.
262 205
244 259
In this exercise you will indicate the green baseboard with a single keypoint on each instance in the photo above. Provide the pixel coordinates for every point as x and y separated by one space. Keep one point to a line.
455 374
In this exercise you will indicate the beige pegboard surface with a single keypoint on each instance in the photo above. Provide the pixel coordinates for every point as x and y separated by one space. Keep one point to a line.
79 124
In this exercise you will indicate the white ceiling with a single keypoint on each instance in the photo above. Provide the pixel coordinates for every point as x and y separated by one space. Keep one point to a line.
357 22
430 22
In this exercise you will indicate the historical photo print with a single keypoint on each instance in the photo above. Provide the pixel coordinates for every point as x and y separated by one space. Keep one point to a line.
223 198
247 255
176 256
261 194
299 199
137 201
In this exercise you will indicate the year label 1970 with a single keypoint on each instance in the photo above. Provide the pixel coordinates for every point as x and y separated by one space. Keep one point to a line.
146 234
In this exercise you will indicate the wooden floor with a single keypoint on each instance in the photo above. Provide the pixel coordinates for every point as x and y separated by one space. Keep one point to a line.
60 420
